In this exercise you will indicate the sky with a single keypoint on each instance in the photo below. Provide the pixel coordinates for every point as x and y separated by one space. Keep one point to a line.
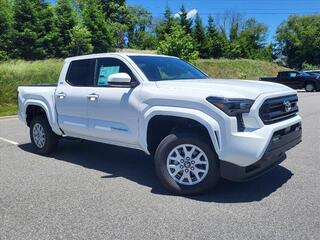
270 12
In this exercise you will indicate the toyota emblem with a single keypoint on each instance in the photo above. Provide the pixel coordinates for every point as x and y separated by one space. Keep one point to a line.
287 106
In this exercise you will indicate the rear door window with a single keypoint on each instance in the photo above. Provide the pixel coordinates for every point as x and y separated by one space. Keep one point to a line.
81 73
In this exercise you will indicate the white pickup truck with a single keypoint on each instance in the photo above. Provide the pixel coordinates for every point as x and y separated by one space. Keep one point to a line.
198 129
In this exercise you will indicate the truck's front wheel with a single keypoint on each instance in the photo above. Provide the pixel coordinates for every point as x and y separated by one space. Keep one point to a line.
42 137
186 163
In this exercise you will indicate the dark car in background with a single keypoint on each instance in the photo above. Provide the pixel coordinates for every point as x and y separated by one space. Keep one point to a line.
313 72
296 80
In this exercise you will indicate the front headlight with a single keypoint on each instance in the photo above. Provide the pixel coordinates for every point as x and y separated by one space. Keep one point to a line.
232 106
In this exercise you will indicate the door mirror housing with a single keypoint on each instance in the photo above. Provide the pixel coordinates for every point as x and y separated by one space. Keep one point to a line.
119 79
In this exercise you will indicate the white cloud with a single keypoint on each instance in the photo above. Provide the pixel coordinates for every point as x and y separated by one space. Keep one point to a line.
190 14
177 15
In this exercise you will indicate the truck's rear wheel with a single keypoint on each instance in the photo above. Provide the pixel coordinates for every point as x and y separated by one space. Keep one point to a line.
42 137
186 164
310 87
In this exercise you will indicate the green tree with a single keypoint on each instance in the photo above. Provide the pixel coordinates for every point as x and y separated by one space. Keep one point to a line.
252 39
168 20
215 42
115 10
34 31
101 30
117 15
199 36
234 31
140 23
80 41
5 28
178 43
185 22
298 40
164 26
66 20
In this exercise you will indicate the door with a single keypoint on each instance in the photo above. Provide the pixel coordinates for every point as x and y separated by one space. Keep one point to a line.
291 79
296 81
113 110
71 97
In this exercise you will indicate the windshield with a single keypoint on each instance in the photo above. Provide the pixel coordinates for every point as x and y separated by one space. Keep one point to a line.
314 73
304 74
160 68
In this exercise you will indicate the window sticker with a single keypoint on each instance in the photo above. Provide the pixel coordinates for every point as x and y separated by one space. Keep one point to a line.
105 72
293 75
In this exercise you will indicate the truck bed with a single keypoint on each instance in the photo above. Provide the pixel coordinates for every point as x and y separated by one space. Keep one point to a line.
40 95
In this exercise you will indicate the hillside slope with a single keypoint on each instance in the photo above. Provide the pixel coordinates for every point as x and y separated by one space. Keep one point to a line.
238 68
15 73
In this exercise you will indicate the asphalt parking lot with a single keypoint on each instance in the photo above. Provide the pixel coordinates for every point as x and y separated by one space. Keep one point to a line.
89 190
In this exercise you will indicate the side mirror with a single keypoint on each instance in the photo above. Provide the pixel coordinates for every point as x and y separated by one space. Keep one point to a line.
119 79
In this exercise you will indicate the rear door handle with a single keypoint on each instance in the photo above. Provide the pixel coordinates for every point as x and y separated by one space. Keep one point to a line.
61 95
93 97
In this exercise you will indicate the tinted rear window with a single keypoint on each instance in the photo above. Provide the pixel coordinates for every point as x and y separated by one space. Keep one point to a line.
81 72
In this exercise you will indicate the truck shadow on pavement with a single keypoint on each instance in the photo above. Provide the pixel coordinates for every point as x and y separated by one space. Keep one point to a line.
138 167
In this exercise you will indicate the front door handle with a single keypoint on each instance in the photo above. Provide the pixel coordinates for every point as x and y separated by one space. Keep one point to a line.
93 97
61 95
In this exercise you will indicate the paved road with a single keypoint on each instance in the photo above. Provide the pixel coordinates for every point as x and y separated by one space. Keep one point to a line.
93 191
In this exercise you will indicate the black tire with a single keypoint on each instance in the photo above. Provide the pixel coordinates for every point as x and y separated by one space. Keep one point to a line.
310 87
167 145
50 138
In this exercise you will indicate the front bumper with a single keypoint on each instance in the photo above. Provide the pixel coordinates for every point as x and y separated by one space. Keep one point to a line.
281 141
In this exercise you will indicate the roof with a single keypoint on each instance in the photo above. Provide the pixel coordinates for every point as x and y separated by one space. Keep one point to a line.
99 55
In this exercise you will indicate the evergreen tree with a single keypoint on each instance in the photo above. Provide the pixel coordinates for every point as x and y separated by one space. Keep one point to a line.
185 23
215 41
94 20
117 14
34 31
115 10
164 26
66 20
168 20
5 28
199 36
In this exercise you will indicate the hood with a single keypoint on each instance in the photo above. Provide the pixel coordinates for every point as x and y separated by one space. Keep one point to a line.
223 88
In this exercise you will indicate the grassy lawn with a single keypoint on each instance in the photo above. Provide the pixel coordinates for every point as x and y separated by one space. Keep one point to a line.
8 110
15 73
238 68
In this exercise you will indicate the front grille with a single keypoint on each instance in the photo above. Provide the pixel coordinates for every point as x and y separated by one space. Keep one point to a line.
278 109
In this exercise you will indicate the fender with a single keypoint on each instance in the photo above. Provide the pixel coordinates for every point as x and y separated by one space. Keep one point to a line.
208 122
51 116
